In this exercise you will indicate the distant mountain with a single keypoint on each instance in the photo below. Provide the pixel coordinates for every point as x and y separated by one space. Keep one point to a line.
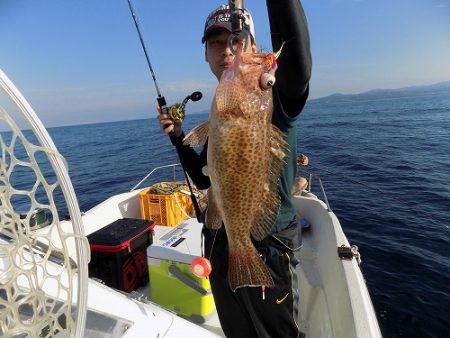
441 87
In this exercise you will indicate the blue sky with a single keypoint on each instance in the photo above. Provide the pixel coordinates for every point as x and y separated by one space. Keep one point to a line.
80 61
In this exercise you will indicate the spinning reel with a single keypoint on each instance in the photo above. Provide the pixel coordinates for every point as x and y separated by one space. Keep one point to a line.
177 110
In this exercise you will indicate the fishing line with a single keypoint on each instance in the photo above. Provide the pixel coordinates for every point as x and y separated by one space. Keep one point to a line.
161 100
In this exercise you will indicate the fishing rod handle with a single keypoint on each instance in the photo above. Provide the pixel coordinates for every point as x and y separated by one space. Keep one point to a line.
162 104
238 29
237 16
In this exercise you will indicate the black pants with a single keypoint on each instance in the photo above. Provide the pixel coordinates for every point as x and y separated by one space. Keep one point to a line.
244 313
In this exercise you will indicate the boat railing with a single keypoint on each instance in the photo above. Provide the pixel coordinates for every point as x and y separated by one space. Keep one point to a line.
310 179
174 165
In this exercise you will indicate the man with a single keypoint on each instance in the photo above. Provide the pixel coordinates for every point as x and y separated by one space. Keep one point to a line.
252 311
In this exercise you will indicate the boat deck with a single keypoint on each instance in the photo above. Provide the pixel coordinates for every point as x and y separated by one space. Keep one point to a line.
334 301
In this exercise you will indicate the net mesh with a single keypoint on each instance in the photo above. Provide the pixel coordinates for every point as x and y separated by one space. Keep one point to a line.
38 277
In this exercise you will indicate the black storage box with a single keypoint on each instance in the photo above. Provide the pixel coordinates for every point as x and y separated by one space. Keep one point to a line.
119 253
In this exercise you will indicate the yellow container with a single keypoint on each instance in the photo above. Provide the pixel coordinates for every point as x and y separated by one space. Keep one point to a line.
174 287
172 284
165 209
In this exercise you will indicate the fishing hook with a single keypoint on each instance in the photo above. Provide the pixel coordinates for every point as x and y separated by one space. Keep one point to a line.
239 33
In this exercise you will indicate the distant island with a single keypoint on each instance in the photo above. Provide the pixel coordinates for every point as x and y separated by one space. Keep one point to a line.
437 88
377 94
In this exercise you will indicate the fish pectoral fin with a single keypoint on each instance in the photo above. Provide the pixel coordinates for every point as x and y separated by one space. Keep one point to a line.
246 268
213 219
197 136
228 97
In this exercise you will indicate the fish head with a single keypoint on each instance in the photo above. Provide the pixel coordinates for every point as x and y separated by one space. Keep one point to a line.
256 70
251 75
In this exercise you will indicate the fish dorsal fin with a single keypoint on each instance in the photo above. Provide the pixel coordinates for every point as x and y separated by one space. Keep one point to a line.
197 136
271 198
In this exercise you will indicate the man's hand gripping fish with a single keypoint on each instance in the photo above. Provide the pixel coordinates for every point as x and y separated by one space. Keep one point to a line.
245 157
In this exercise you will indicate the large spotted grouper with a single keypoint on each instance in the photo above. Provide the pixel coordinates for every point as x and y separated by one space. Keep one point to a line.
244 160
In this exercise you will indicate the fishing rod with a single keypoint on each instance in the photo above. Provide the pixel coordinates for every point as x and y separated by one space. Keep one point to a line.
175 111
238 30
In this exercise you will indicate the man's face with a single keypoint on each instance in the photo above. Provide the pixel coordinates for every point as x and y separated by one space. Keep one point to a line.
218 53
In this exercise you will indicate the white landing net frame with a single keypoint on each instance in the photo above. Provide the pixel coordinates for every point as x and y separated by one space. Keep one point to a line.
43 290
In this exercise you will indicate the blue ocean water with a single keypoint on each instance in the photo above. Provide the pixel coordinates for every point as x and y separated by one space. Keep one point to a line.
386 168
385 165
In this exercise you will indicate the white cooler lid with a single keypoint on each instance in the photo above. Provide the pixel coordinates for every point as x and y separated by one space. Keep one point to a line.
180 244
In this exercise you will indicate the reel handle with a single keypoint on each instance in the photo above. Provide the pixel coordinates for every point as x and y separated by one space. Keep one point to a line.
177 110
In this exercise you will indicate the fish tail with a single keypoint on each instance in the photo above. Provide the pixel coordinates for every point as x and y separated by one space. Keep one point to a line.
246 268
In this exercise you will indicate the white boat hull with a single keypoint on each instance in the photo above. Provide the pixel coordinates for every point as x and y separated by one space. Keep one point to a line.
334 300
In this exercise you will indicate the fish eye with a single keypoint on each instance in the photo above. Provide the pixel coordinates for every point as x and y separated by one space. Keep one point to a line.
267 81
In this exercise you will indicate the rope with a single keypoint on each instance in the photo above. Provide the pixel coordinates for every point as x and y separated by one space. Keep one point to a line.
356 253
